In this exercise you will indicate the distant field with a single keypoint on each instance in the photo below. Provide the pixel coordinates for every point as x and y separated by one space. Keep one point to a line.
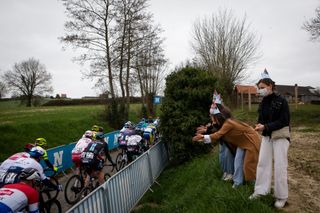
304 118
59 125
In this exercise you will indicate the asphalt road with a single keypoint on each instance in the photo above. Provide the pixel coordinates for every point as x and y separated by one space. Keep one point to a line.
64 178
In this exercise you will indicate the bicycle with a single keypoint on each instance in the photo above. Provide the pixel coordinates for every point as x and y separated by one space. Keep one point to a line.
48 197
122 159
75 189
47 190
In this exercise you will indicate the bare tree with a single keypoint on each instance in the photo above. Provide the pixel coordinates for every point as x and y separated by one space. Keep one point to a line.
3 89
313 25
89 29
225 47
108 32
28 79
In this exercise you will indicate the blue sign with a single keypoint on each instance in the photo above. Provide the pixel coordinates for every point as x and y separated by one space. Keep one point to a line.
157 100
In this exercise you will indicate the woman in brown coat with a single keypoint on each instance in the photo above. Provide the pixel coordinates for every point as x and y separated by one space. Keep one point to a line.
239 134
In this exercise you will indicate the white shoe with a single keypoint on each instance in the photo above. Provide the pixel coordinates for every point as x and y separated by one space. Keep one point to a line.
224 176
280 203
254 196
229 177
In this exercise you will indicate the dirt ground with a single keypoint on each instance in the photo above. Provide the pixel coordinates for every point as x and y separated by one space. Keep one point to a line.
304 173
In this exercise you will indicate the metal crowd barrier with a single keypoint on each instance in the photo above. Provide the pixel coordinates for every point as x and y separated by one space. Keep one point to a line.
123 190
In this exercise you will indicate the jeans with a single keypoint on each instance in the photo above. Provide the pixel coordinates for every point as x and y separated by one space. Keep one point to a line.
226 159
238 167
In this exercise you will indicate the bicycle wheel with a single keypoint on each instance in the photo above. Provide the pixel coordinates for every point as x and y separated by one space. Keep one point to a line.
120 162
53 192
73 188
53 206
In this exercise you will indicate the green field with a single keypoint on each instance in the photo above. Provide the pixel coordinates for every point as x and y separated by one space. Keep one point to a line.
59 125
304 118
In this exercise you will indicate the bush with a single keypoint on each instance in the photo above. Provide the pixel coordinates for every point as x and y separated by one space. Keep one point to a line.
187 99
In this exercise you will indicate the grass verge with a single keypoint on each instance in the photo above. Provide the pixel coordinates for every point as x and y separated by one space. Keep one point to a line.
196 186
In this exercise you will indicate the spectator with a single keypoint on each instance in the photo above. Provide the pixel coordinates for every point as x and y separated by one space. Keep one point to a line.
238 134
274 117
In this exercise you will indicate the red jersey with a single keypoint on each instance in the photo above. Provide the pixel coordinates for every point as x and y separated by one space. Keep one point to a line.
15 197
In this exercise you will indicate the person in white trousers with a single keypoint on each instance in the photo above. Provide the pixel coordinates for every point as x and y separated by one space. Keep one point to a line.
274 116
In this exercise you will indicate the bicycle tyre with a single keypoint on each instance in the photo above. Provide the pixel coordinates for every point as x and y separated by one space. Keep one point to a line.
53 192
53 206
72 193
120 162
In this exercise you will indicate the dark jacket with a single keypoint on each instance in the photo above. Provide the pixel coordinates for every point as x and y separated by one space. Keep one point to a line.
273 113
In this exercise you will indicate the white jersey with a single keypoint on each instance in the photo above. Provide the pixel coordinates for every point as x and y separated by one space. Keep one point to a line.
23 162
81 145
7 163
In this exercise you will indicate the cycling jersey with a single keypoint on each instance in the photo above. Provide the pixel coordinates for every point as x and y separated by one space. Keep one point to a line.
15 197
149 133
92 155
7 163
78 149
24 162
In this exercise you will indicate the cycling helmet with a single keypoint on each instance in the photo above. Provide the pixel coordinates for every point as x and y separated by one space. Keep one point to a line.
128 124
101 129
99 135
95 128
88 134
36 152
41 142
30 174
28 147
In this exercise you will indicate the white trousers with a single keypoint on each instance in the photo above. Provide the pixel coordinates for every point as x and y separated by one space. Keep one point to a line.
269 150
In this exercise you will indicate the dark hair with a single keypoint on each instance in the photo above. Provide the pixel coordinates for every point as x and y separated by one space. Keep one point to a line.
268 82
225 111
220 119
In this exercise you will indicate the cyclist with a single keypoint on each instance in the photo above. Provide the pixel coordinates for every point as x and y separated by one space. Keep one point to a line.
93 158
149 133
41 142
13 168
79 147
16 197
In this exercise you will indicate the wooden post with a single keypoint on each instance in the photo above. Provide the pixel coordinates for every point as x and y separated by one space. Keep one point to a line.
242 100
296 95
249 99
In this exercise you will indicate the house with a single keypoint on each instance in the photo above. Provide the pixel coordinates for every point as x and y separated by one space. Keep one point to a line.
306 94
242 94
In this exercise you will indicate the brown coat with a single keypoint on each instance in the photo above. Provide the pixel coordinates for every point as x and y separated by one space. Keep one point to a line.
244 136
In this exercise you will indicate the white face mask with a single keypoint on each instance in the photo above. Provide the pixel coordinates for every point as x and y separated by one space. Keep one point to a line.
211 111
263 92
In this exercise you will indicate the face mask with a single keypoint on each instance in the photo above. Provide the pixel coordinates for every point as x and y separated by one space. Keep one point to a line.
263 92
211 111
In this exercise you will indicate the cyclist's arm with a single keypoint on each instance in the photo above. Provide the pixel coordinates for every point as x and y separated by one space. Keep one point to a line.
48 163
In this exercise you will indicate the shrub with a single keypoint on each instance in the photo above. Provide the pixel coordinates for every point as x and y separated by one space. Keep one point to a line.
187 99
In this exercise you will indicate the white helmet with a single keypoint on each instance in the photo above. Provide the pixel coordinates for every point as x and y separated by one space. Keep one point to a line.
88 134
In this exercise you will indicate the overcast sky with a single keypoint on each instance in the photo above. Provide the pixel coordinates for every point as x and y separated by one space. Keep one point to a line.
30 28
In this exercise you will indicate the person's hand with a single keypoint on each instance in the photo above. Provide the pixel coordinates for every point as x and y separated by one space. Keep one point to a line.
201 130
259 127
198 138
55 169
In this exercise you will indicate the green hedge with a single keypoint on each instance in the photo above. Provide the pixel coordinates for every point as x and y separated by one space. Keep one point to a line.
188 97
